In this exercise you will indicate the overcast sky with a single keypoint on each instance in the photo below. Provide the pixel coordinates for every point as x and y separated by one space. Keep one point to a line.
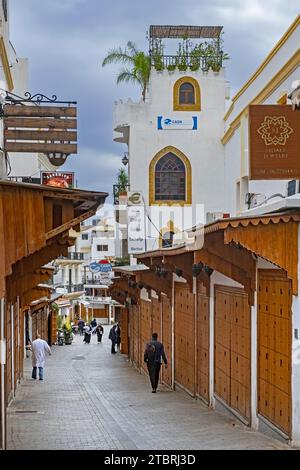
66 41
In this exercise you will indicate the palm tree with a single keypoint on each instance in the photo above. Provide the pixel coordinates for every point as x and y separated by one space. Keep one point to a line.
137 65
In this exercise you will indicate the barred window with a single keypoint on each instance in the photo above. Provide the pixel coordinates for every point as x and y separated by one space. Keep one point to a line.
170 178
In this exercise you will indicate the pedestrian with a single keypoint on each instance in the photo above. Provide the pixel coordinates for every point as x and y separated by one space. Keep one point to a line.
81 325
87 334
118 336
99 331
39 349
113 336
93 325
153 356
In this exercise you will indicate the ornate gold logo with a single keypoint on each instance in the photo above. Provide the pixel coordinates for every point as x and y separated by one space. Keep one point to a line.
275 130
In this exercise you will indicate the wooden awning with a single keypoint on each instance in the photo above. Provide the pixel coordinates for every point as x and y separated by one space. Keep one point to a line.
34 229
229 245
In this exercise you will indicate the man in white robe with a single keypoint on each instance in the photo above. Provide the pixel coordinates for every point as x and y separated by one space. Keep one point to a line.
39 349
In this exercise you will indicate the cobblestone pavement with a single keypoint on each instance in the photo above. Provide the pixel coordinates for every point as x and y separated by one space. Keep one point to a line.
91 399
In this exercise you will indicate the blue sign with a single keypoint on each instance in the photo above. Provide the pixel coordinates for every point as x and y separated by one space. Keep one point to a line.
95 268
168 123
105 268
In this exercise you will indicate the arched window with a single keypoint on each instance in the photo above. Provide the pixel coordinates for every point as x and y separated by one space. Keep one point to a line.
186 93
170 178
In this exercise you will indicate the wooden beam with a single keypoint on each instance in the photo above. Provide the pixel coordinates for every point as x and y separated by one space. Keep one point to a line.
42 123
161 285
28 147
40 111
71 223
61 136
184 262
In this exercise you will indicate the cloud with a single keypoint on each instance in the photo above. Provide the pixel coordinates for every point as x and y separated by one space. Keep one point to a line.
66 41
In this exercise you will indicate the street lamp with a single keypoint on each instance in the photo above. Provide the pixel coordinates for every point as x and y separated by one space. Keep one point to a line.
125 159
57 159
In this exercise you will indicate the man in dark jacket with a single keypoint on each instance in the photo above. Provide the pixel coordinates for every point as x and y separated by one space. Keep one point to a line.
113 336
153 356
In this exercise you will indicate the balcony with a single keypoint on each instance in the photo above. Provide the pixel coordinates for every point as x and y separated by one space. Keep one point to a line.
119 193
74 256
173 62
24 179
75 288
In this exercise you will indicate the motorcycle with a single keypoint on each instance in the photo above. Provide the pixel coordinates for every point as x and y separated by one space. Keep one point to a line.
60 338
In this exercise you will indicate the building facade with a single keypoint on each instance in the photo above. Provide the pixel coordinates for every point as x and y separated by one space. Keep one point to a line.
227 305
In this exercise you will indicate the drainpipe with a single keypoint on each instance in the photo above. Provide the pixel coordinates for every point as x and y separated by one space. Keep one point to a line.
2 367
173 337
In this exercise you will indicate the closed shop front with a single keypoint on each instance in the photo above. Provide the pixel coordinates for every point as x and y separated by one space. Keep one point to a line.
167 338
124 331
202 388
232 349
156 317
184 337
134 334
274 348
146 311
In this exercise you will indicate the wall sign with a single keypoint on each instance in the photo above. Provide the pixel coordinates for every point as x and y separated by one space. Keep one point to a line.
274 142
170 123
58 179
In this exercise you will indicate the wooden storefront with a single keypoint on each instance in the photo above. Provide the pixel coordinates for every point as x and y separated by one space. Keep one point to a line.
145 332
35 222
202 386
124 320
167 338
232 366
274 348
184 312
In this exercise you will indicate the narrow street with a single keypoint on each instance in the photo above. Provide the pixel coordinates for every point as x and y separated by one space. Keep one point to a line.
91 399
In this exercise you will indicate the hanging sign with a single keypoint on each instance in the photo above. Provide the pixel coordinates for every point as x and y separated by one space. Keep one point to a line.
105 266
171 123
274 142
58 179
42 129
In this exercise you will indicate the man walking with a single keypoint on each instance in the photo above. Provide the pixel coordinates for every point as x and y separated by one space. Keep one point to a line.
39 349
113 336
153 356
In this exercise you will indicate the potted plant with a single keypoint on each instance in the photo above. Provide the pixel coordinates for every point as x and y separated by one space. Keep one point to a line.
122 182
68 334
171 67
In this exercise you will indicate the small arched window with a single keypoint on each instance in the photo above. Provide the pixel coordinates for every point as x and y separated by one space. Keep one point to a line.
186 93
170 176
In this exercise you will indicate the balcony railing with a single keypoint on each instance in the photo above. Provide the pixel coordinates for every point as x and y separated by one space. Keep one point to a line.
172 62
24 179
117 191
96 282
75 288
76 256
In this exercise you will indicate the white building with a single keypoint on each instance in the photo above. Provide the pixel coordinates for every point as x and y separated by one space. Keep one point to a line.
176 157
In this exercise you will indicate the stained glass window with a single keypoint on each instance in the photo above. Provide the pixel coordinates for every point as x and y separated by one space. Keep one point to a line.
170 178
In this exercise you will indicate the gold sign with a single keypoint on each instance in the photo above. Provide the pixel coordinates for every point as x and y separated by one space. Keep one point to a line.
274 142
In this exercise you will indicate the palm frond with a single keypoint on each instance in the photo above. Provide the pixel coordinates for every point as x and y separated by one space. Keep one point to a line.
127 76
117 55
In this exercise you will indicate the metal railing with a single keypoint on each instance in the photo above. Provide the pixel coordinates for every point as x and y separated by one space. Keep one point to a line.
117 190
75 288
173 62
76 256
24 179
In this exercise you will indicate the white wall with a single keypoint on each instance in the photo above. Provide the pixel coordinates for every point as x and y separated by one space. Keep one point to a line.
202 147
